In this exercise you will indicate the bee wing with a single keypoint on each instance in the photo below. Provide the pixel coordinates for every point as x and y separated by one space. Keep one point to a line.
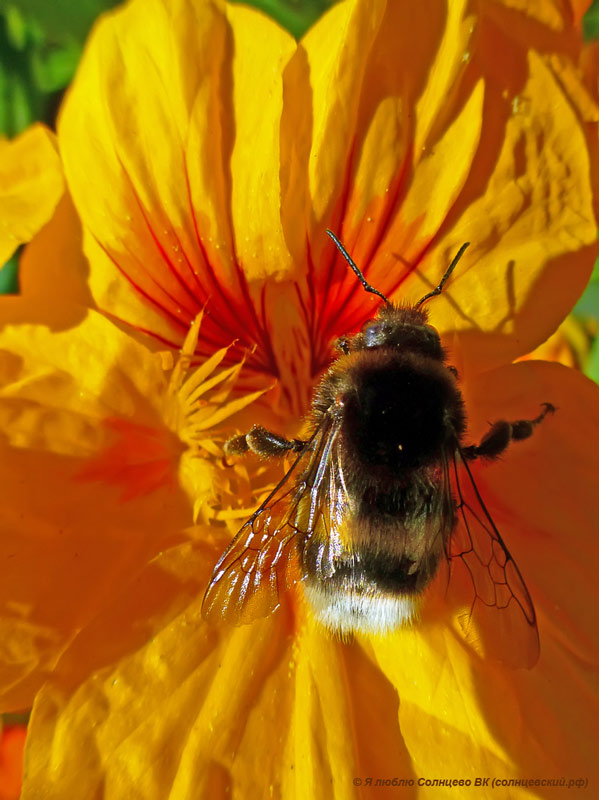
263 559
501 620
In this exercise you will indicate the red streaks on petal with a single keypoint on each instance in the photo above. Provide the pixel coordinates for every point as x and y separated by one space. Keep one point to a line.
12 744
333 302
179 288
137 458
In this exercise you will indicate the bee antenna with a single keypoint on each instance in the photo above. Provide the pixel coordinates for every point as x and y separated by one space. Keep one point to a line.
448 272
361 277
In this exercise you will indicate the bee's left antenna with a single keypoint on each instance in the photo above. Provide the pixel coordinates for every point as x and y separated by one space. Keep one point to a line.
438 289
349 260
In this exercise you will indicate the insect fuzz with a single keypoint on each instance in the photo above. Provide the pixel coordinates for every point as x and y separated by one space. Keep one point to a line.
381 493
398 409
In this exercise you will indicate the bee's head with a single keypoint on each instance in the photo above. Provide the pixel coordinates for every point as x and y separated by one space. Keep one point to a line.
402 327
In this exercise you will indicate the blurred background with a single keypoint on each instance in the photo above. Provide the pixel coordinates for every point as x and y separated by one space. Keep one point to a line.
41 42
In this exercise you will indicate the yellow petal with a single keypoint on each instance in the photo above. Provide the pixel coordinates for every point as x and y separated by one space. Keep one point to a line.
532 233
31 182
90 373
235 710
459 709
280 704
180 200
68 545
203 700
69 541
257 73
555 463
407 131
409 162
569 345
545 11
52 275
337 51
446 168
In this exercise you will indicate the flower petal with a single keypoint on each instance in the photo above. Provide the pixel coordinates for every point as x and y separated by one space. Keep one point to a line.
178 185
403 130
68 547
456 708
543 497
551 14
236 710
65 537
52 275
523 187
222 710
31 182
182 732
12 743
534 226
551 515
93 371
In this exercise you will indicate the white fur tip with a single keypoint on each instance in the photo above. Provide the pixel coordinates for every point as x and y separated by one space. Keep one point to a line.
351 612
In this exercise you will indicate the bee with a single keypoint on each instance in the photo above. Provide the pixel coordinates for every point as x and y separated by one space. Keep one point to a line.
379 495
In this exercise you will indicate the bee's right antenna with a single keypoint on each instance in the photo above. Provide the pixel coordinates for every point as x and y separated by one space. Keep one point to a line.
349 260
448 272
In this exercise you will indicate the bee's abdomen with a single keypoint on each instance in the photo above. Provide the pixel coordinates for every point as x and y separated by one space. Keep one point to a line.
397 564
370 590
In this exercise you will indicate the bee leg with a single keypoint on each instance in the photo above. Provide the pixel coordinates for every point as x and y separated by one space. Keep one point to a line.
263 443
495 441
343 345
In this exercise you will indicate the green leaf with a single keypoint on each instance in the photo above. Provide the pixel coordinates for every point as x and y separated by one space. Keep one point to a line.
588 305
19 105
590 22
60 20
294 15
9 275
16 28
54 66
20 101
591 369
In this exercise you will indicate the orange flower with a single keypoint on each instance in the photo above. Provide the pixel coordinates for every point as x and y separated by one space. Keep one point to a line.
109 452
407 138
12 742
569 345
206 152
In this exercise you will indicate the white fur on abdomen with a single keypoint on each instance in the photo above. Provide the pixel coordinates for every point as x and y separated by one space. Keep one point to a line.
352 612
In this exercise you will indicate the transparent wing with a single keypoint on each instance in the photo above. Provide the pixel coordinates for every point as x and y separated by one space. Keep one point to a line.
500 619
263 559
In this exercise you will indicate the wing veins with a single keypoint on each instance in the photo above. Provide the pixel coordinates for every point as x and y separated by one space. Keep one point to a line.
488 526
259 558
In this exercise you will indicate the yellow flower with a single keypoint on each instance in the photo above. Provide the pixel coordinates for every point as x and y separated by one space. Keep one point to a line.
109 452
406 136
31 184
206 152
